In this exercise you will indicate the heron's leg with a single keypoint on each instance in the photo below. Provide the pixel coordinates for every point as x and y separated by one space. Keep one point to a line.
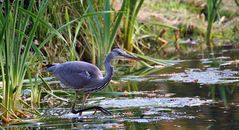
84 100
73 105
85 96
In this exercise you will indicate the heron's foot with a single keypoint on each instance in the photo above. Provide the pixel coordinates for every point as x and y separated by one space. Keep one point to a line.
75 111
104 111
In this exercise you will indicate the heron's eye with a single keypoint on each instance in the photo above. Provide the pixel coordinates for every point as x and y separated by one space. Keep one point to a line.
119 53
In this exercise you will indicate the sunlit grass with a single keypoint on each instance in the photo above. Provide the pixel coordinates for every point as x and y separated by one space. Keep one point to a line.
177 6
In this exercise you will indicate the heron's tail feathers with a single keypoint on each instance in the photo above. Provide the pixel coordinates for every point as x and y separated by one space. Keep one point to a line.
51 67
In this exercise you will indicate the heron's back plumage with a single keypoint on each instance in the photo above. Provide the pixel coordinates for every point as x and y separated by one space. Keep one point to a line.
77 74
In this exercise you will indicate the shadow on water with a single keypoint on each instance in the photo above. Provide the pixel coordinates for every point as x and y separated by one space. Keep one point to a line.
197 92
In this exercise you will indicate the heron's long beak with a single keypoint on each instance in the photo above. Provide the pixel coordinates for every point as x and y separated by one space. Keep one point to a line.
128 56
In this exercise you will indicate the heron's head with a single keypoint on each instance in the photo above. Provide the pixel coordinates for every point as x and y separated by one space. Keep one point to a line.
120 54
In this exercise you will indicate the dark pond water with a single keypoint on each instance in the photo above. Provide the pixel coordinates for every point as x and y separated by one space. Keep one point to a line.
199 92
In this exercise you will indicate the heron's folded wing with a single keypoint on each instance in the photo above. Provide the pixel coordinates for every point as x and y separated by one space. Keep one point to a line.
74 79
85 68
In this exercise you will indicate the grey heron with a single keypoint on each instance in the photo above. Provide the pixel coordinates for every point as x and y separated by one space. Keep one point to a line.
85 77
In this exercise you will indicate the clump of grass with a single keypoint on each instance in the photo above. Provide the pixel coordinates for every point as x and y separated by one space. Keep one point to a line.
130 17
17 36
103 28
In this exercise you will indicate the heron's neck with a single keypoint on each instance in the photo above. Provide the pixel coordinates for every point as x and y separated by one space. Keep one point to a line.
108 68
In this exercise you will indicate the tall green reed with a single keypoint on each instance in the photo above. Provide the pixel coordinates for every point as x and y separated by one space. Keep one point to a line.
72 36
132 10
17 36
212 8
